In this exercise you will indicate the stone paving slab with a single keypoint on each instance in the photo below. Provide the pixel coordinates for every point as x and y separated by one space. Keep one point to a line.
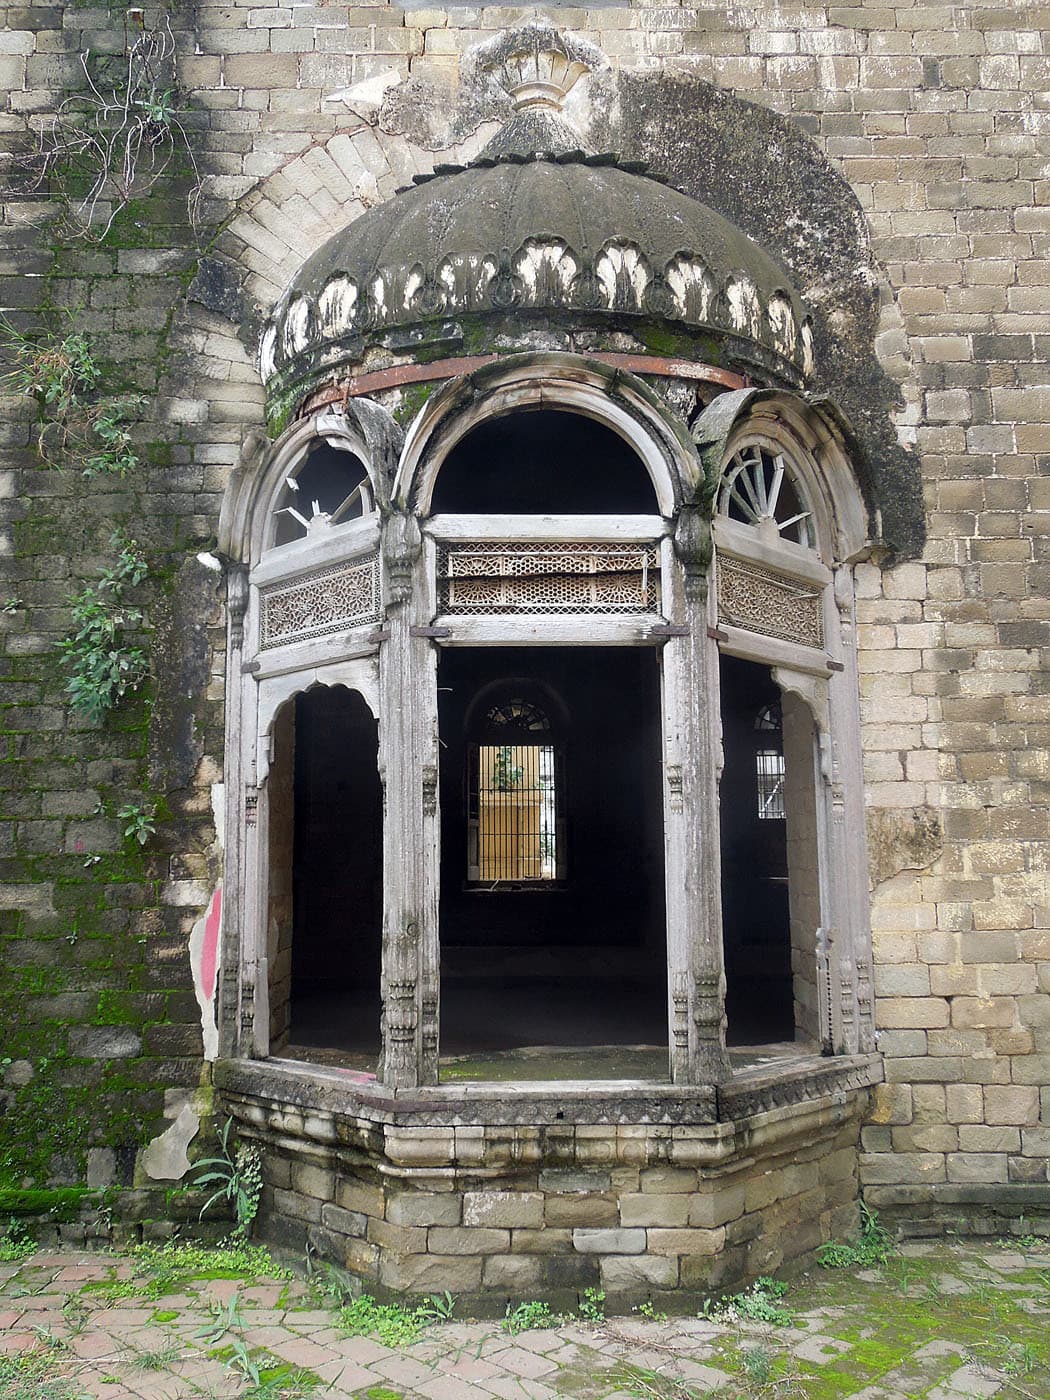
959 1322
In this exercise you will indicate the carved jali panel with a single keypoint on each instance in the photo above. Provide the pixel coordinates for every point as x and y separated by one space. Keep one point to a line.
770 603
326 601
535 578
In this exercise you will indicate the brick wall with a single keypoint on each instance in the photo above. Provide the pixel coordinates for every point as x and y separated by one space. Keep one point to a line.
933 115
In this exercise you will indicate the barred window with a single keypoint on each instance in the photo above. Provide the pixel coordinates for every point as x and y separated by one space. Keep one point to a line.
514 811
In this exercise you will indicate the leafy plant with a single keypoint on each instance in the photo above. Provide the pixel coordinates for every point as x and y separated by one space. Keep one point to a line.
80 425
437 1307
224 1318
528 1316
592 1305
110 424
759 1303
874 1246
649 1312
170 1266
137 821
395 1326
103 666
56 369
241 1362
238 1172
16 1244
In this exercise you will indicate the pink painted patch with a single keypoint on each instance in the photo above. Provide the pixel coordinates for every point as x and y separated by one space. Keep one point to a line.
210 946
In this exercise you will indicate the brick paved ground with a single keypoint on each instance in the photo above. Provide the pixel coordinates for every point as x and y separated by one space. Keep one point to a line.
936 1321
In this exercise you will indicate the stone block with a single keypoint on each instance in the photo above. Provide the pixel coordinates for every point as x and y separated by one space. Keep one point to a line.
290 1205
397 1239
457 1239
1011 1104
503 1208
430 1273
620 1241
424 1208
581 1210
975 1137
518 1272
976 1166
343 1222
695 1241
354 1194
546 1241
310 1180
891 1103
564 1179
667 1179
621 1274
978 1013
716 1207
642 1209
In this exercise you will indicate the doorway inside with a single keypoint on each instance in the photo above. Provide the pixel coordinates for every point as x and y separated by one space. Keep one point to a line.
552 874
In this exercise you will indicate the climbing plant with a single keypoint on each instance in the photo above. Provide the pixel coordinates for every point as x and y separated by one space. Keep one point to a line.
104 665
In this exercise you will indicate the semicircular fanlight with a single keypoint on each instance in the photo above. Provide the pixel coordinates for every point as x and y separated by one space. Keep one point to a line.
758 489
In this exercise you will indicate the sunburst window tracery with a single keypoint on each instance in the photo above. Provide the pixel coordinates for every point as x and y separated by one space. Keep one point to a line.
759 489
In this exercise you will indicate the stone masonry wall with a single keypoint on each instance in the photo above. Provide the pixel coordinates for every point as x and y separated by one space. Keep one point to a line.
554 1210
932 113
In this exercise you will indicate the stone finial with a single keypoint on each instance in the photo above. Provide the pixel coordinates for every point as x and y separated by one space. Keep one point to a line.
537 65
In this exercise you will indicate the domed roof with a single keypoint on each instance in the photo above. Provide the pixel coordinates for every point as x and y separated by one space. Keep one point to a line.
533 226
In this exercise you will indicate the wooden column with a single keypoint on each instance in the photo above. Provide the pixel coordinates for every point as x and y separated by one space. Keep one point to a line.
691 743
408 764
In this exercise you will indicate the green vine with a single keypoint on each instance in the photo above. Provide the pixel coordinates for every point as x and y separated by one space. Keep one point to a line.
103 665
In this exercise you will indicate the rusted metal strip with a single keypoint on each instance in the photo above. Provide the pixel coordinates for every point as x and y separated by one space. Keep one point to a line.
430 631
669 629
717 635
397 375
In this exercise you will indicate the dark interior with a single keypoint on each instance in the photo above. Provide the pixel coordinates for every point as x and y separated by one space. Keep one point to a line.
755 918
579 961
328 476
537 460
337 886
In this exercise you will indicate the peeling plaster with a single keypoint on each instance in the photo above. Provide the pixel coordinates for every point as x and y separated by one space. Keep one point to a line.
204 963
166 1158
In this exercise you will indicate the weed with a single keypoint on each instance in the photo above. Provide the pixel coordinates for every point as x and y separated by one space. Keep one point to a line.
158 1358
224 1318
171 1265
241 1362
395 1326
103 667
15 1244
649 1312
592 1305
138 821
30 1375
874 1246
238 1173
120 133
12 605
758 1363
58 370
527 1317
759 1303
645 1384
438 1307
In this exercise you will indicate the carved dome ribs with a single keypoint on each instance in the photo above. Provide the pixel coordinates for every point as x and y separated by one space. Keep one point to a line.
555 235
